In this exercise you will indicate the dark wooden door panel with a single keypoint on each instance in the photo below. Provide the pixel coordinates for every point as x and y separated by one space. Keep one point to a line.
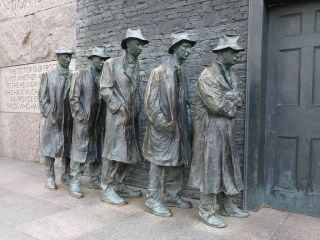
293 109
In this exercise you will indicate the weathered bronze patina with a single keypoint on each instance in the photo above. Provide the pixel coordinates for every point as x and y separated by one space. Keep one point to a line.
86 107
120 88
55 108
215 166
166 141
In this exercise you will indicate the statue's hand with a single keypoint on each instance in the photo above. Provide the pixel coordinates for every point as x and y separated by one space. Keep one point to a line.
125 113
80 116
239 99
57 119
230 96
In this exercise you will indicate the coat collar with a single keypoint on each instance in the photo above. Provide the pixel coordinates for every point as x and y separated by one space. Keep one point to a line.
222 78
94 75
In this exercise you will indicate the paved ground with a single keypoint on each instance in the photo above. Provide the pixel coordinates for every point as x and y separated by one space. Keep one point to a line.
28 211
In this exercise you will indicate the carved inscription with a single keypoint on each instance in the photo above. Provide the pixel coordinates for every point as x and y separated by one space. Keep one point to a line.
13 5
20 8
19 87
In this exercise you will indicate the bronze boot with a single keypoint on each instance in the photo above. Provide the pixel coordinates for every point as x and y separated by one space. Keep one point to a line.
207 211
124 191
109 195
229 209
154 204
75 183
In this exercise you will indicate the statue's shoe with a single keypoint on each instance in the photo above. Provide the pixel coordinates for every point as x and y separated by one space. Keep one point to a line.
234 211
110 196
95 184
50 184
126 192
213 221
158 209
178 202
75 189
65 179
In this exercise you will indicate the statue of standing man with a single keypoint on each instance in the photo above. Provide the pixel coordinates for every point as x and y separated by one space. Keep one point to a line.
120 88
55 108
215 165
86 106
166 141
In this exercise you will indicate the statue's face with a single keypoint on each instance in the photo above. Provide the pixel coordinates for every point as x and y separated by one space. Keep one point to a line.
134 47
64 60
229 57
97 62
182 50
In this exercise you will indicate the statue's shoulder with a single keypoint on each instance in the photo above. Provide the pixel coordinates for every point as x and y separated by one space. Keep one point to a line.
53 73
115 60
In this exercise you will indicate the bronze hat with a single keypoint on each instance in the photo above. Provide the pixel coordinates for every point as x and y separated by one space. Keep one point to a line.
228 41
178 37
99 51
63 50
133 33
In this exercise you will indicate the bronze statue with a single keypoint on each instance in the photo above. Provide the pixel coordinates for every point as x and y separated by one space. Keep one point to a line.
166 141
86 105
54 106
120 88
215 165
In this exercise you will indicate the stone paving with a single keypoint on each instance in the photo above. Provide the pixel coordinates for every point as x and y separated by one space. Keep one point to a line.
28 211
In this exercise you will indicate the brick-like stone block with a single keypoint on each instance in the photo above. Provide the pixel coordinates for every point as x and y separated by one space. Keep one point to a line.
51 29
15 44
19 136
18 8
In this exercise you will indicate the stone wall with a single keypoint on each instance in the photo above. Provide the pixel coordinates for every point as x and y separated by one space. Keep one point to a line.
104 22
30 30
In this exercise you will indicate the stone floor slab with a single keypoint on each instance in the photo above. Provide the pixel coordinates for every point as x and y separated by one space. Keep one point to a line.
18 208
9 233
297 227
74 223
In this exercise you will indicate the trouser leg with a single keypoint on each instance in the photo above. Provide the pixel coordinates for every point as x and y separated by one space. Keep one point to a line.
122 169
65 169
75 183
155 190
122 189
155 185
49 166
173 188
173 181
76 170
50 176
109 179
108 173
94 172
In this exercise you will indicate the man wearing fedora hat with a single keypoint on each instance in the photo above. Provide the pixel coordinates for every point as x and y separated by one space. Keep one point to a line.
166 141
55 108
86 105
215 165
120 88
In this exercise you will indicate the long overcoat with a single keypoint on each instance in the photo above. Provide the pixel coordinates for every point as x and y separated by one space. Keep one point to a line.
215 165
85 103
166 141
120 91
55 108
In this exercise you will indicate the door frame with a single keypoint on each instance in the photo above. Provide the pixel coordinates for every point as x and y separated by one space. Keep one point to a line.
254 162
